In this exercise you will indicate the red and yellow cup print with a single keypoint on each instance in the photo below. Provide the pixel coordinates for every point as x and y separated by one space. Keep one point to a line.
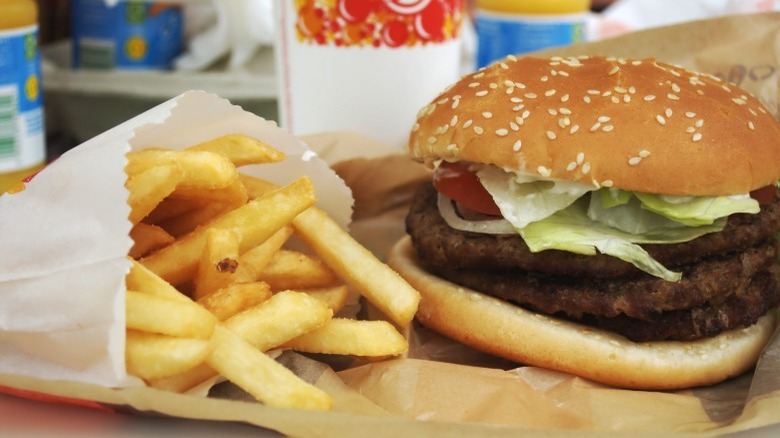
378 23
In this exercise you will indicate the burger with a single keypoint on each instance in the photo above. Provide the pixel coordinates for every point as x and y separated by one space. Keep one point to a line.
610 218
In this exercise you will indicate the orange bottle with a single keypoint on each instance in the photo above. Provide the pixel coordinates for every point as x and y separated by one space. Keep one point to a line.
22 131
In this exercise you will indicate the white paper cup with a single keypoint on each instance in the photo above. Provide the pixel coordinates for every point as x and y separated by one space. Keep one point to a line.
364 66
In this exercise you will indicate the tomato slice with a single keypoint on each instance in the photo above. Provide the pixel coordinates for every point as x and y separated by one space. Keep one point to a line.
455 181
764 195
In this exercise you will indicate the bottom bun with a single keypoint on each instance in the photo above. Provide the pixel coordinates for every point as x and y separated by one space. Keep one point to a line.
509 331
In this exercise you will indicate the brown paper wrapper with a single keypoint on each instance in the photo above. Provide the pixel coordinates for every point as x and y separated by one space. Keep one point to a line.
442 387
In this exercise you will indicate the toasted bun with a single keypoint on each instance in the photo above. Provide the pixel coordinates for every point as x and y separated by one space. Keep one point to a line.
638 125
508 331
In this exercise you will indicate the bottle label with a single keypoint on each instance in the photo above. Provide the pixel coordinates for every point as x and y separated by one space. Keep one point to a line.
21 102
128 35
500 35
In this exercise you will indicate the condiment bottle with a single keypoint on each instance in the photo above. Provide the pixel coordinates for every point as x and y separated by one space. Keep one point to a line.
514 27
22 141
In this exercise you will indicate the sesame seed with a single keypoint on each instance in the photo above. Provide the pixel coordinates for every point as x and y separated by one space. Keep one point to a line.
594 92
481 93
519 120
585 168
674 72
586 99
502 132
699 123
516 99
595 127
571 166
431 140
478 130
690 114
552 111
580 157
493 85
637 62
530 95
649 97
700 92
519 85
739 101
615 99
574 129
511 57
752 112
675 87
614 70
763 111
518 144
526 113
514 126
518 107
696 136
510 90
565 98
551 135
607 128
487 114
474 85
631 90
543 171
479 75
455 103
660 119
673 96
503 65
415 127
443 101
468 123
633 161
454 120
452 147
604 119
607 182
565 111
690 130
509 83
668 112
563 73
549 93
562 122
627 98
554 72
751 126
606 93
644 153
545 78
620 90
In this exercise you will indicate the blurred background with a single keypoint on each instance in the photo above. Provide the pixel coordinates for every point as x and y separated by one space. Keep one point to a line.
226 47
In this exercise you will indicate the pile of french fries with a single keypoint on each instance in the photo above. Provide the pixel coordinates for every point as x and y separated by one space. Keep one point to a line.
213 288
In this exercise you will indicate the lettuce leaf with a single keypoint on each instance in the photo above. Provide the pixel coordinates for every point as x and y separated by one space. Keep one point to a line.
524 199
572 230
694 211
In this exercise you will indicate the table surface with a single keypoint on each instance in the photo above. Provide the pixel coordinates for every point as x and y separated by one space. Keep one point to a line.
21 417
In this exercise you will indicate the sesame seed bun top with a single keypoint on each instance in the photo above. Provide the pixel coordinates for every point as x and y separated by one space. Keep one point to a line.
634 124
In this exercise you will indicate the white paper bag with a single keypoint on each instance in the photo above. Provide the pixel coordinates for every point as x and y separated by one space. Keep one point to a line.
64 238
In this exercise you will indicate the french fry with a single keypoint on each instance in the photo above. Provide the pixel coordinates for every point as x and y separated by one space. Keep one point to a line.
147 238
235 298
188 221
167 316
254 222
202 169
252 263
173 207
256 187
218 262
241 149
141 279
294 270
334 297
233 194
356 265
262 377
153 356
284 317
148 188
352 337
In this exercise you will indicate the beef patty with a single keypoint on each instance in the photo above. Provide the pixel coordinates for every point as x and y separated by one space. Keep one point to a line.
730 278
442 245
